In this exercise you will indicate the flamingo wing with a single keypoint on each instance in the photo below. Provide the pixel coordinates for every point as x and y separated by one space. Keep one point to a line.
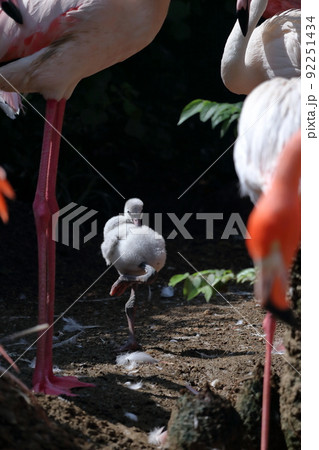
43 23
279 6
283 33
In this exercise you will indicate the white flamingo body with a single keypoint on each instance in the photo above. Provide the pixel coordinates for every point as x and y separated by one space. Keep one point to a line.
134 246
61 42
270 116
128 246
270 50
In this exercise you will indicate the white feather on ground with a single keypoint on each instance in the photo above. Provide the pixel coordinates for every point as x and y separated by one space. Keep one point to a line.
157 436
135 357
71 340
73 325
134 386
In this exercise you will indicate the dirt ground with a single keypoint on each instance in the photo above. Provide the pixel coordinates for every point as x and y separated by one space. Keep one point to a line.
193 342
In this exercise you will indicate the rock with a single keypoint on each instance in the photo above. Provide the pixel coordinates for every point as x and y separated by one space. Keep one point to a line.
23 422
204 421
248 405
290 385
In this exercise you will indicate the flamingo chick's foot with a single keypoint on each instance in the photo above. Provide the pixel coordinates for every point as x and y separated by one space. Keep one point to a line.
53 385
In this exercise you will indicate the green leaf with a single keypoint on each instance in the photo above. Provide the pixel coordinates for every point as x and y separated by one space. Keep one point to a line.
196 281
208 109
212 279
227 276
246 275
178 278
189 290
219 113
207 291
190 110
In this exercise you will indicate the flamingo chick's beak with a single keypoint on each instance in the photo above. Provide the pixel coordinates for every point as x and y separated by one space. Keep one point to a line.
272 283
242 12
137 222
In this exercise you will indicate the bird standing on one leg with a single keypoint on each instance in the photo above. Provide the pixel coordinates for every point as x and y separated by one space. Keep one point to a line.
58 43
137 252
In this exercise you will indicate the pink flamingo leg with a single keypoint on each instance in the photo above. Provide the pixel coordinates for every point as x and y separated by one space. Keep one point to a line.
44 206
269 326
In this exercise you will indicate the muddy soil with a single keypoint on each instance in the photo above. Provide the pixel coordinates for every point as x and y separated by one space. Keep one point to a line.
193 342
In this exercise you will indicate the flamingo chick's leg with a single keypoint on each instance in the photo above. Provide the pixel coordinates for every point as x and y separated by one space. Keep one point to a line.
269 325
44 206
125 281
130 308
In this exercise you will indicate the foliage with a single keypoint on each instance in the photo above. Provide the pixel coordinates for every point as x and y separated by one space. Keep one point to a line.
246 276
209 282
224 114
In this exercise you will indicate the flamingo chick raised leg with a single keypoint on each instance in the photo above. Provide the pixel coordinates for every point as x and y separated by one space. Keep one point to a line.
118 288
44 206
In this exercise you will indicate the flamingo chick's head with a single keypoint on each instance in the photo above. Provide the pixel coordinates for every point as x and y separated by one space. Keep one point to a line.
133 210
274 229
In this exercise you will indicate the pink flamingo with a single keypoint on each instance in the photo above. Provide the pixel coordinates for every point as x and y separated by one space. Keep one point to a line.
59 43
275 229
266 161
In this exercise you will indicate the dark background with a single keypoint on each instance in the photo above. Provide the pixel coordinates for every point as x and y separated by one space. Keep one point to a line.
124 121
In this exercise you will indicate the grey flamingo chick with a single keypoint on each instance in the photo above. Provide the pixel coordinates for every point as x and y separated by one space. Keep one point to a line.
138 254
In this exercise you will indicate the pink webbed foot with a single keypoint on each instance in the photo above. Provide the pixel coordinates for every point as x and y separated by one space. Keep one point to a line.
53 385
120 286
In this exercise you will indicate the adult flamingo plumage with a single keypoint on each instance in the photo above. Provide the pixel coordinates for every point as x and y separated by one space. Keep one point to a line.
255 54
266 161
59 43
279 6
